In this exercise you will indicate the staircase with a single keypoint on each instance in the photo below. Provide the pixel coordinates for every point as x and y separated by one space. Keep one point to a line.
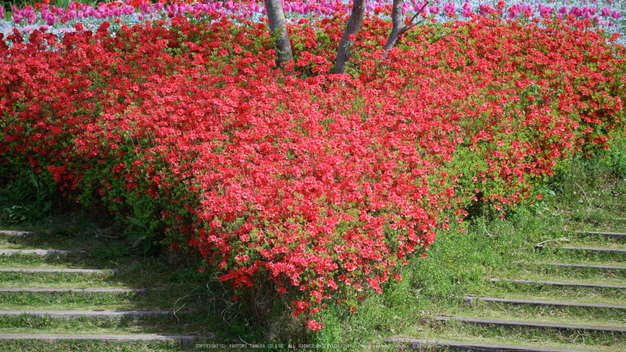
569 294
55 296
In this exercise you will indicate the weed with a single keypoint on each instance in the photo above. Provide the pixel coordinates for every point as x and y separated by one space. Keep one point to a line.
26 198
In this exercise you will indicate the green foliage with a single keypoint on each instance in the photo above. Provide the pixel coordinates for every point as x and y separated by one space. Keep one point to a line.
616 157
25 198
138 232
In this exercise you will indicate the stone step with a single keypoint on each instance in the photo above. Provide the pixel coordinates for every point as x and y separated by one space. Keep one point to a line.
473 346
76 290
602 250
604 267
111 314
611 235
564 284
94 337
9 252
81 271
471 299
530 324
15 233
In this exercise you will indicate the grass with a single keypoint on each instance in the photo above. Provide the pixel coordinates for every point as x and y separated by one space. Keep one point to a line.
62 239
45 346
578 316
13 279
584 295
158 299
181 324
456 331
554 293
572 272
588 278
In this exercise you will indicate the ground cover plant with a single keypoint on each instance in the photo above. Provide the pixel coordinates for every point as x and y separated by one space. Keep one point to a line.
296 184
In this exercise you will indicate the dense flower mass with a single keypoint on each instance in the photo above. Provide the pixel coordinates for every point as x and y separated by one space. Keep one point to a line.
604 14
319 185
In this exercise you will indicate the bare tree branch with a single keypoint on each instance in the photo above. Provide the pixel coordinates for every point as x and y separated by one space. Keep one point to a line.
398 25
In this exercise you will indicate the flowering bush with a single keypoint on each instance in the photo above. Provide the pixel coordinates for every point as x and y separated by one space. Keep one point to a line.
604 14
319 186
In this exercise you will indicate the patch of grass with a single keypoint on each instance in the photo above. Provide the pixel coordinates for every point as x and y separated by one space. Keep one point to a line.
582 256
159 299
61 239
181 324
555 293
76 229
541 276
544 314
50 346
457 331
22 279
569 272
99 260
26 198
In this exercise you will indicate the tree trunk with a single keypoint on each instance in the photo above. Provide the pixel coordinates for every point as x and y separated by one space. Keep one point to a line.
354 25
278 29
398 23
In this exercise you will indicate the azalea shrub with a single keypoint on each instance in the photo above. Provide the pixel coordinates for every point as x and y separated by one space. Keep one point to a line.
315 186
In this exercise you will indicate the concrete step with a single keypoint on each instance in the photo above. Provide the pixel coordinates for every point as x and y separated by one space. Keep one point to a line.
80 271
9 252
473 346
98 337
564 284
603 267
16 233
84 313
610 235
76 290
471 299
589 249
529 324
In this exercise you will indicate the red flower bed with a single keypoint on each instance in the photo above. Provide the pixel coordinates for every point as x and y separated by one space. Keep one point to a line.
318 185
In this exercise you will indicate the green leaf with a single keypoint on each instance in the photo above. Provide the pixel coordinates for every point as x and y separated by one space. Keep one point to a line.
136 222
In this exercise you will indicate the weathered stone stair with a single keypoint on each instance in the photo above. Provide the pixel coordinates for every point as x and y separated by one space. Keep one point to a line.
563 284
474 346
532 324
98 337
75 313
471 299
564 326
